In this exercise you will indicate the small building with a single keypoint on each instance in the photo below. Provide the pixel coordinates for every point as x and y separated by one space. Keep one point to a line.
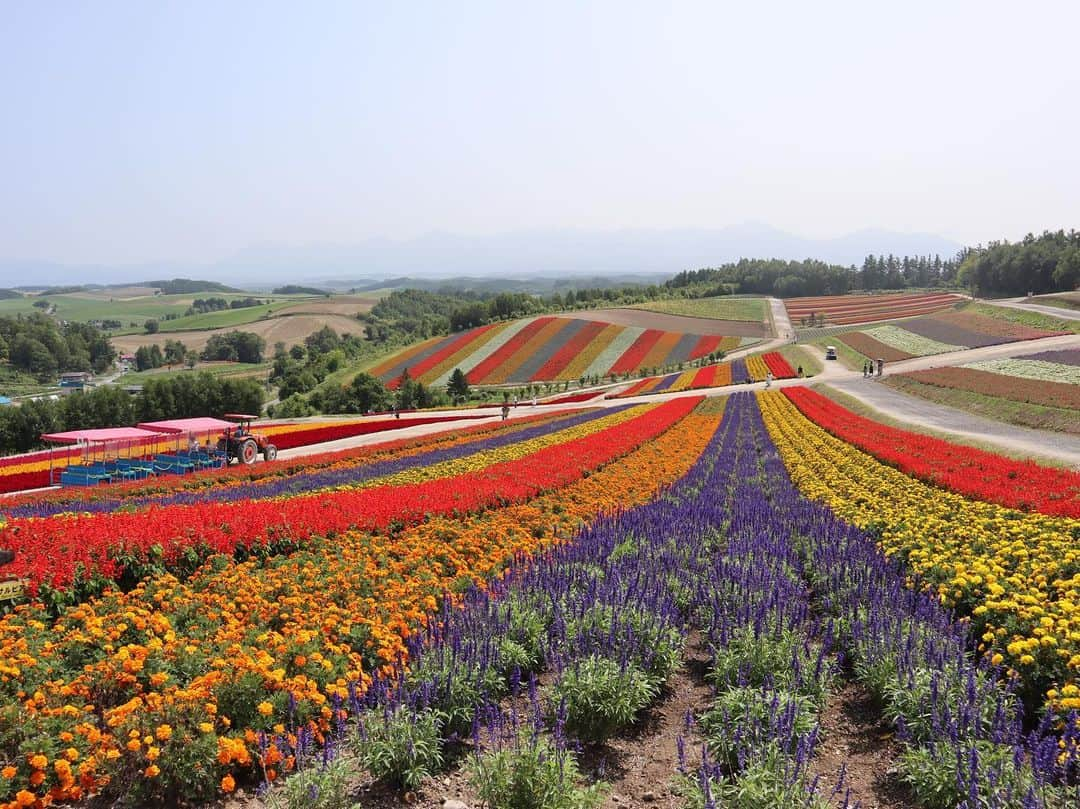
75 379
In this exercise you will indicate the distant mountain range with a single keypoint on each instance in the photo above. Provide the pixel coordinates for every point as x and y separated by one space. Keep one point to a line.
647 254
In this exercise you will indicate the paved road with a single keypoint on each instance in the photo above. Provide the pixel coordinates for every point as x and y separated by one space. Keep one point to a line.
1042 309
900 406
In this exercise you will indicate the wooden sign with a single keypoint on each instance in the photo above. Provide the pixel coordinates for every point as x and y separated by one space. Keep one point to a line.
12 590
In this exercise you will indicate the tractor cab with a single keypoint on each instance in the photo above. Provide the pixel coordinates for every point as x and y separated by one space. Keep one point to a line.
243 445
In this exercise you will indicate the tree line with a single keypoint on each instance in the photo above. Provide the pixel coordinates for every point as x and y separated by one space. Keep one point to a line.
1040 264
791 279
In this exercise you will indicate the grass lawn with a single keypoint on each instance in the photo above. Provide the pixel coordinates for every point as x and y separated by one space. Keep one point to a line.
845 354
222 319
861 408
1022 414
1035 320
152 307
720 308
223 369
798 356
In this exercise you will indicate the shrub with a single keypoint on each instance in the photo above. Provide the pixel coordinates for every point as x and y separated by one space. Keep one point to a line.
598 697
750 724
322 785
399 746
531 773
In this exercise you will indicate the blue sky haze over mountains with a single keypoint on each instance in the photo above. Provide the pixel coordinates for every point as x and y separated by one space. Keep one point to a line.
556 252
361 136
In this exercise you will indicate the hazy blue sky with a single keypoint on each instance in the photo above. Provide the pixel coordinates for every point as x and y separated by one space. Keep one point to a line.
153 130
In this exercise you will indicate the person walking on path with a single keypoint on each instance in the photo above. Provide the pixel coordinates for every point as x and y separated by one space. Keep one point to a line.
768 379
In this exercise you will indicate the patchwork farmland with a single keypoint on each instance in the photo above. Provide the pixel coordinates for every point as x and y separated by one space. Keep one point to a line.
546 349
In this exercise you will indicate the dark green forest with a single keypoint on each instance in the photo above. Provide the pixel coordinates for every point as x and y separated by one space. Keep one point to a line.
1039 264
39 345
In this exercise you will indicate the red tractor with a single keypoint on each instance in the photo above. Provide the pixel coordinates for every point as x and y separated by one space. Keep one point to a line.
240 443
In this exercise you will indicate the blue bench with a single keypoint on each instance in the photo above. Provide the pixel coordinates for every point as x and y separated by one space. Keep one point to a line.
82 476
173 463
139 468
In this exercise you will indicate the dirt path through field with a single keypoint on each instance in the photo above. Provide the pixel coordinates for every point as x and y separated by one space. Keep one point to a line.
858 751
641 765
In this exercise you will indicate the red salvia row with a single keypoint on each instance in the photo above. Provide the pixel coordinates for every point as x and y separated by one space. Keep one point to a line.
971 472
54 550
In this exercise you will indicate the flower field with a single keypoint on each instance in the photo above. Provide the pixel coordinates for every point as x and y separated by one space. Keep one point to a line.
512 598
545 349
754 368
1017 575
936 334
841 310
968 471
1048 378
112 544
167 686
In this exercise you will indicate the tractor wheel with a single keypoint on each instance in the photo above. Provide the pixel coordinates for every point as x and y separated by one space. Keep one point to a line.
269 452
247 451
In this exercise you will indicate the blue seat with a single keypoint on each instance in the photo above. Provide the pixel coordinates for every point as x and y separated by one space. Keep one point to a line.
140 468
173 463
82 476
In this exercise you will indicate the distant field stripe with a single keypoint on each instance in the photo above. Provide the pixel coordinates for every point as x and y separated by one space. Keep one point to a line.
568 328
580 364
631 358
489 368
392 377
657 356
665 383
637 387
1017 389
685 380
492 342
723 375
508 371
874 349
401 356
704 377
449 349
440 374
624 338
680 352
574 345
705 346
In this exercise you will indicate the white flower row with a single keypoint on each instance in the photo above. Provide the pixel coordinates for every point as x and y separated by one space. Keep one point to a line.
909 342
1040 370
615 349
486 350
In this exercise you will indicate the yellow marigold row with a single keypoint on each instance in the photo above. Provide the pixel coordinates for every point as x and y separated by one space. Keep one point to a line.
166 687
756 367
1016 574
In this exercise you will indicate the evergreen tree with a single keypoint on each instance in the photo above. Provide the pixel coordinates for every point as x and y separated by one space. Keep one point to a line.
458 387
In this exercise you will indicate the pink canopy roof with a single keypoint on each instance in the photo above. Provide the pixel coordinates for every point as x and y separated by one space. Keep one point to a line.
203 424
100 435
